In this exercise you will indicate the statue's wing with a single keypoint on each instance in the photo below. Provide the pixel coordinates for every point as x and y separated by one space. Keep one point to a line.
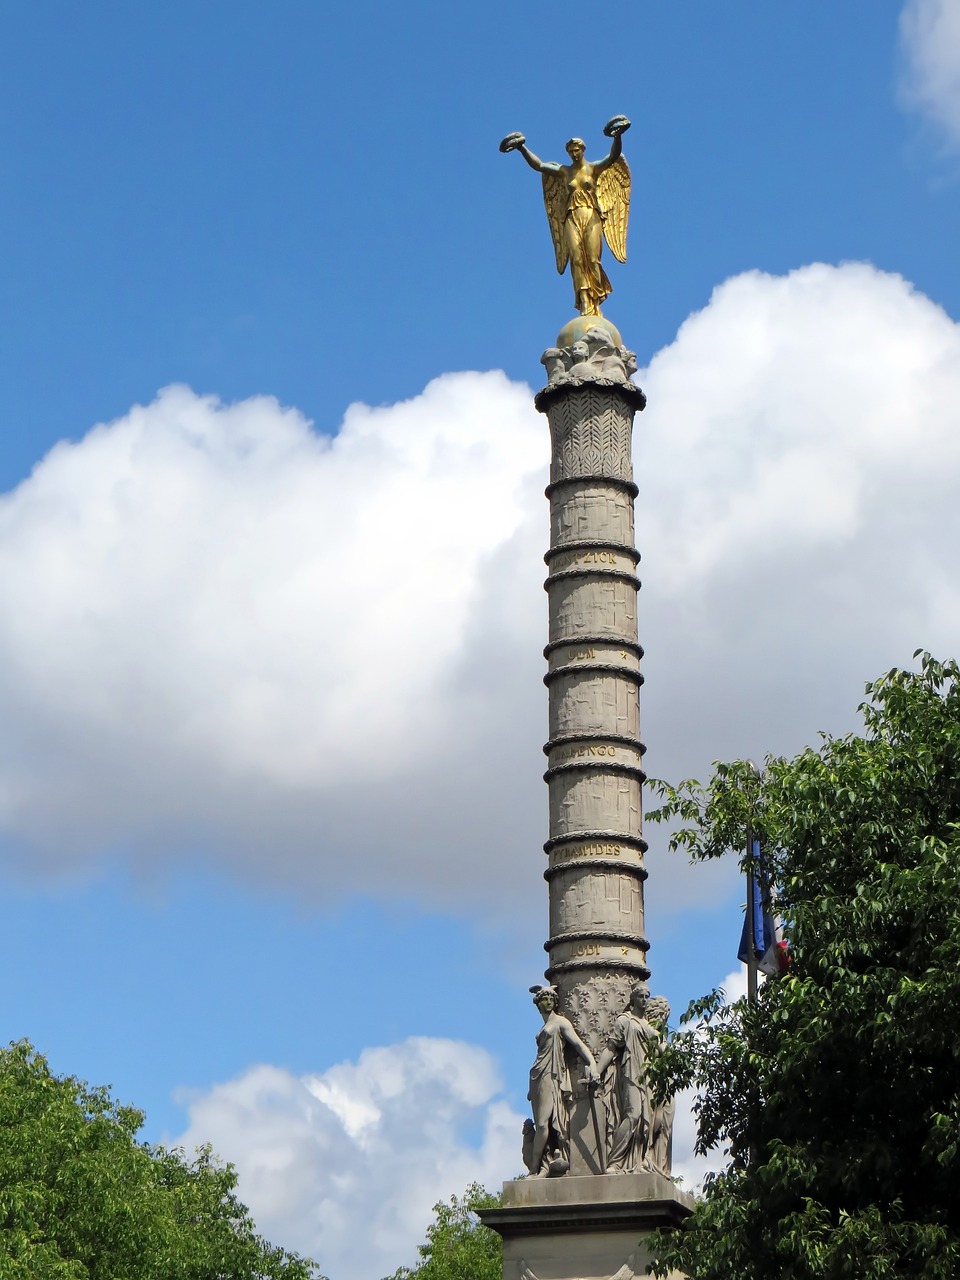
555 202
613 193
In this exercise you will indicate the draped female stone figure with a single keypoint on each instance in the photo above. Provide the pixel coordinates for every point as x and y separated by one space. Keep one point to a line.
631 1042
662 1111
546 1147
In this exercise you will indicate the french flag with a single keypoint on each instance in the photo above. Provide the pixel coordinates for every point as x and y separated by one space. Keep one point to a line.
769 948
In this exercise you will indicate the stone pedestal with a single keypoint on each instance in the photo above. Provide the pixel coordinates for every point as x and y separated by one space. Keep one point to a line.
583 1228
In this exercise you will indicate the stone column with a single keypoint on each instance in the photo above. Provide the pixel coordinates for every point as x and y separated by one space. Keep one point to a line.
576 1221
595 849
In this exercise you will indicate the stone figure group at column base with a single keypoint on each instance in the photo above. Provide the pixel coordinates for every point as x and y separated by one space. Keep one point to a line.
633 1127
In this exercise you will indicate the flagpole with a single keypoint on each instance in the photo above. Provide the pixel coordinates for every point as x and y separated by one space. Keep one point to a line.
751 914
751 925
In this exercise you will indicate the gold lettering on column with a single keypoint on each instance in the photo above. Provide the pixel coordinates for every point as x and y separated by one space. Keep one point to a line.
587 949
575 558
582 752
566 852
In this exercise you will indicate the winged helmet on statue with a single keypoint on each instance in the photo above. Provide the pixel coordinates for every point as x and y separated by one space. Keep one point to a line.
587 202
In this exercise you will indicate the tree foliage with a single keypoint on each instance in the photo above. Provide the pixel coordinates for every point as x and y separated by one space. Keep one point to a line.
458 1245
82 1199
837 1095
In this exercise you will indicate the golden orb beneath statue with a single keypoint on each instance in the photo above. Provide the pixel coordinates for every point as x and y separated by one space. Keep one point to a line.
575 329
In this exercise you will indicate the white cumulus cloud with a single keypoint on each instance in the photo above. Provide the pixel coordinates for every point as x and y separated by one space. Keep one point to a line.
798 465
223 630
930 37
317 658
346 1165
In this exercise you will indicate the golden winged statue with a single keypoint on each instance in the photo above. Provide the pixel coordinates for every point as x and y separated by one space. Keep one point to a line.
587 202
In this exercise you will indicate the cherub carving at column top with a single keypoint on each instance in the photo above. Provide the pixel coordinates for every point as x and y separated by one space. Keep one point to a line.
587 202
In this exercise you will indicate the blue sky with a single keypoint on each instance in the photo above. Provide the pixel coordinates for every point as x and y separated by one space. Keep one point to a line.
270 699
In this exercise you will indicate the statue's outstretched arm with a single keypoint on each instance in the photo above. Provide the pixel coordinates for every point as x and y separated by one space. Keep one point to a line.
541 166
615 129
574 1041
517 142
616 151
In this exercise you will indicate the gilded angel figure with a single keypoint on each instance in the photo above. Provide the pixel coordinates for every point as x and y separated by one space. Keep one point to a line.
587 202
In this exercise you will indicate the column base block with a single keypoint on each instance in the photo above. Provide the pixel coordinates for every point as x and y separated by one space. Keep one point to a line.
584 1228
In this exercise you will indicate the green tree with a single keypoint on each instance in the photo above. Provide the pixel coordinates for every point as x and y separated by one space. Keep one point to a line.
458 1245
82 1199
837 1095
